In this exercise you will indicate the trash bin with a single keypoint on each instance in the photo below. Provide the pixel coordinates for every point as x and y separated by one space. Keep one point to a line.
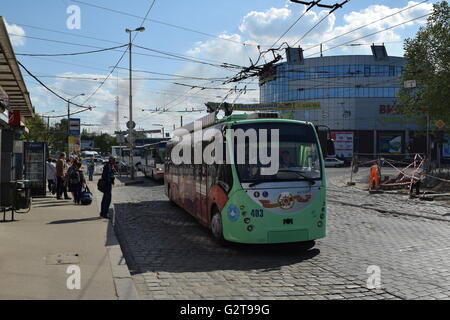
21 194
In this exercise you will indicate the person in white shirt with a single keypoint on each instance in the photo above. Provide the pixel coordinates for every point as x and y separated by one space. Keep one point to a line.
51 175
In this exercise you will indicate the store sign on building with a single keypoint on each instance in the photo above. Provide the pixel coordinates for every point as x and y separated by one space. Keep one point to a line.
343 142
386 109
285 106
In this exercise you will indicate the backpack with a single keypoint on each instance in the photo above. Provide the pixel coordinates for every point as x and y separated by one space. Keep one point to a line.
101 185
74 177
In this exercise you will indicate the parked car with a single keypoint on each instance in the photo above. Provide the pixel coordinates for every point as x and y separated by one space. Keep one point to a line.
333 162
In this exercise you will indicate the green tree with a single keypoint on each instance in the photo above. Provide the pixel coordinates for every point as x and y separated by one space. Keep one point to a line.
104 142
428 63
59 133
37 130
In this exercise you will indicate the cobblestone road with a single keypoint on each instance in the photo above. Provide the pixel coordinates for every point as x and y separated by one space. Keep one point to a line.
172 257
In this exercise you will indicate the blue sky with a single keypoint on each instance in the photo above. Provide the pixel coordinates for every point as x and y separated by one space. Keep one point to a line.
250 21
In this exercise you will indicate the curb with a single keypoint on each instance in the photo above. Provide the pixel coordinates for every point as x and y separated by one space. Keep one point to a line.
130 183
125 287
123 282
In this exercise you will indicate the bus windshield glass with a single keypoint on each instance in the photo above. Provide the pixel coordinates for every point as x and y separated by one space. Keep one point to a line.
298 153
160 154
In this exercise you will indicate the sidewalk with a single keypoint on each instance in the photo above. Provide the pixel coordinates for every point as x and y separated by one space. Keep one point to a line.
37 249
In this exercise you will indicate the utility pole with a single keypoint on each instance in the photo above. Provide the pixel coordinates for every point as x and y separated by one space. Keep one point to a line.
117 113
130 123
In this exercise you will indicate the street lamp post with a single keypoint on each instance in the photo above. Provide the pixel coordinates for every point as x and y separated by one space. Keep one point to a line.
130 127
68 120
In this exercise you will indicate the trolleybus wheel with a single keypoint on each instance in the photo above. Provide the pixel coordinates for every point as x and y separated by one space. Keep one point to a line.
216 225
306 245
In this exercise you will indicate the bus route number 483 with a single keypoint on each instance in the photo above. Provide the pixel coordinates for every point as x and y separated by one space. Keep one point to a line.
258 213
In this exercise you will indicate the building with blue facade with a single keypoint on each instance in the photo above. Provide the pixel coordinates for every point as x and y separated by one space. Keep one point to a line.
354 95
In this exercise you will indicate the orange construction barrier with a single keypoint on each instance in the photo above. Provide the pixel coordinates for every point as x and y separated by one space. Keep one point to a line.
375 176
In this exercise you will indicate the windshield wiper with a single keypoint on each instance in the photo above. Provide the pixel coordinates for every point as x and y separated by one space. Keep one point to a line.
251 185
309 179
279 180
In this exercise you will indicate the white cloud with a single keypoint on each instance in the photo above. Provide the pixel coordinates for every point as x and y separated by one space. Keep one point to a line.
268 26
16 32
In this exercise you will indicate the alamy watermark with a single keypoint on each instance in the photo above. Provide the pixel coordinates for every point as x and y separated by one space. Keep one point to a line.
251 141
74 19
73 282
374 280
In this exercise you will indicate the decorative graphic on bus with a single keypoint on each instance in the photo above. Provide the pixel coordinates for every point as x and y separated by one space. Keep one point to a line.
286 201
233 213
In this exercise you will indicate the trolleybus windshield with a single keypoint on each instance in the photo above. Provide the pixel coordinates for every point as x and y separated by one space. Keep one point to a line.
298 154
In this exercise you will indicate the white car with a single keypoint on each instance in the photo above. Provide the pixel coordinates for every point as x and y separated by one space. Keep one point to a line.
333 162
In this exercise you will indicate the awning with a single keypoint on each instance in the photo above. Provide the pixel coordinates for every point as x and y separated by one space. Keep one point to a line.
11 79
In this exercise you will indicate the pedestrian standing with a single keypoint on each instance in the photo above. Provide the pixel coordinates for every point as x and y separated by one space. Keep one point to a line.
60 177
51 175
73 177
78 185
91 168
108 176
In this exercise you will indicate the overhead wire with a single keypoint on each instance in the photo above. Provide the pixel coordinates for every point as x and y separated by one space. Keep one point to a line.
373 33
68 54
366 25
51 90
118 62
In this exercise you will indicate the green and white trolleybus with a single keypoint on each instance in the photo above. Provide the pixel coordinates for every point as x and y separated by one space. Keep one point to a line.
235 200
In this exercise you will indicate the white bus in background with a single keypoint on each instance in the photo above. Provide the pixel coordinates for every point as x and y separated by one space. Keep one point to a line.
153 160
116 151
137 156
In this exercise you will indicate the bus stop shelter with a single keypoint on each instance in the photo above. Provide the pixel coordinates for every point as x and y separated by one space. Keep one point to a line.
15 107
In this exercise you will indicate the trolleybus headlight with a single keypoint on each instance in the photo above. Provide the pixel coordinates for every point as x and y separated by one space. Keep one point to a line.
249 228
322 216
319 224
247 220
256 194
265 194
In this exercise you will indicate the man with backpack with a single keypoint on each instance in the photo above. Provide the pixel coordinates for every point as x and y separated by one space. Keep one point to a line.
73 178
78 181
107 183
